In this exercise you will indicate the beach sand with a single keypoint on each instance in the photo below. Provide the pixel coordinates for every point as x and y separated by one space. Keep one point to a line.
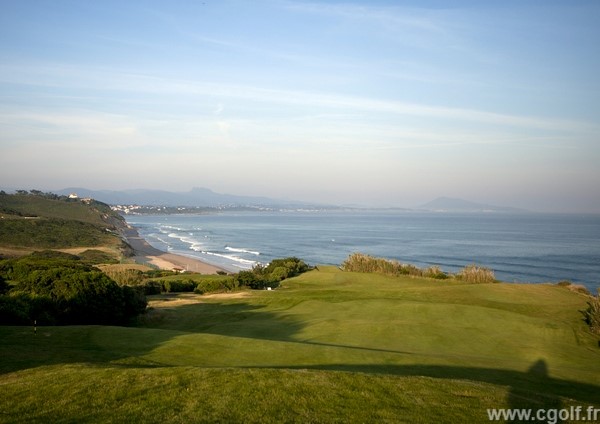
144 252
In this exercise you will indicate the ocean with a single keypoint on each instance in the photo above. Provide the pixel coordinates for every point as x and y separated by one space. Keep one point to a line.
518 247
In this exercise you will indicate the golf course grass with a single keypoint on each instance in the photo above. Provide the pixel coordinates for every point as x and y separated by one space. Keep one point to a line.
325 346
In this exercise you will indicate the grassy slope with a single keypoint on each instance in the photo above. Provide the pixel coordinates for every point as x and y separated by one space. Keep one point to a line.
326 345
50 208
57 224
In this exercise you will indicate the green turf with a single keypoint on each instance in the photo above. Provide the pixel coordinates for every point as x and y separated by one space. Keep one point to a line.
325 346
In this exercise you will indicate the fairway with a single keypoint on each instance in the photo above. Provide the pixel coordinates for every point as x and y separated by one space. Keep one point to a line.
328 345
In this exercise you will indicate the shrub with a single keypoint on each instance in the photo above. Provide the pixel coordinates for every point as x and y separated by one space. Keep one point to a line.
135 301
14 310
55 289
577 288
4 286
476 274
151 287
207 285
592 314
125 277
261 277
178 286
435 272
93 256
157 273
251 279
292 265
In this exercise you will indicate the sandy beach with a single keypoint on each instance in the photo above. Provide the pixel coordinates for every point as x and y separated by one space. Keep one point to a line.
144 252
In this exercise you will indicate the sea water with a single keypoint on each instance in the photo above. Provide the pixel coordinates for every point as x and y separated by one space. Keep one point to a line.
518 247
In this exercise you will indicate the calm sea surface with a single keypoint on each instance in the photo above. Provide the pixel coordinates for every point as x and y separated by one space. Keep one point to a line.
519 248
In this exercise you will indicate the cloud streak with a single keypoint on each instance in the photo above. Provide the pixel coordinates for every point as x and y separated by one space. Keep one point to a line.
91 78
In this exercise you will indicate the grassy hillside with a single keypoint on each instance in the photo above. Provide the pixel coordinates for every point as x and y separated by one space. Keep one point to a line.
326 346
39 222
61 208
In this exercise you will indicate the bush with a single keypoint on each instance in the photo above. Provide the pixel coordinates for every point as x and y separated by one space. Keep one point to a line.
93 256
207 285
135 301
56 289
592 314
435 272
151 287
476 275
4 286
261 277
178 286
14 310
125 277
251 279
157 273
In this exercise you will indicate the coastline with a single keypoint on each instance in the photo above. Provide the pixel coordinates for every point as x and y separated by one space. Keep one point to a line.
144 252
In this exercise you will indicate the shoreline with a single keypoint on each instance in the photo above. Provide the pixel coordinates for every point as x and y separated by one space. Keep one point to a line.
144 252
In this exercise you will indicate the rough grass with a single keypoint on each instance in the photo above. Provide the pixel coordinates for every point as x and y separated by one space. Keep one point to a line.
327 346
37 222
75 210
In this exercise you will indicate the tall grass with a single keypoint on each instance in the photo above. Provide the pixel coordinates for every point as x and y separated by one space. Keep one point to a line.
592 314
358 262
476 274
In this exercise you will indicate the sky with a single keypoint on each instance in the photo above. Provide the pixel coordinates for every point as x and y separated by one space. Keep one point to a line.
379 103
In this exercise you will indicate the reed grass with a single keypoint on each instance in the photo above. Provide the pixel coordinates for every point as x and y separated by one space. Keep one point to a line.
359 262
476 274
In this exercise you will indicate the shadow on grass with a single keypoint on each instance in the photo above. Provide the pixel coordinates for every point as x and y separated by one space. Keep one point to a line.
22 348
527 389
125 347
518 399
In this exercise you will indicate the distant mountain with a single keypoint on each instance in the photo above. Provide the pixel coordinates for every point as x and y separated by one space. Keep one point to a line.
449 204
195 197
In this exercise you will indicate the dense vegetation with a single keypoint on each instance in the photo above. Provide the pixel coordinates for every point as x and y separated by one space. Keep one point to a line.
49 205
160 281
55 288
358 262
51 233
45 220
261 277
592 313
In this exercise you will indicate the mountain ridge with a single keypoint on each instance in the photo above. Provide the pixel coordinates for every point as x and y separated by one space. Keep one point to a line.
196 197
452 204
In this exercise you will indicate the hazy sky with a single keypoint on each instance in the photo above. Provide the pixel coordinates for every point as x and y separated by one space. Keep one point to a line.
374 102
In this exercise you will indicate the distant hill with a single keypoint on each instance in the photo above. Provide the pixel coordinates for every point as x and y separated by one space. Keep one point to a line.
449 204
195 197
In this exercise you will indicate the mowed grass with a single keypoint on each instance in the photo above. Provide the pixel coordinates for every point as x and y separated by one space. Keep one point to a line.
326 346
